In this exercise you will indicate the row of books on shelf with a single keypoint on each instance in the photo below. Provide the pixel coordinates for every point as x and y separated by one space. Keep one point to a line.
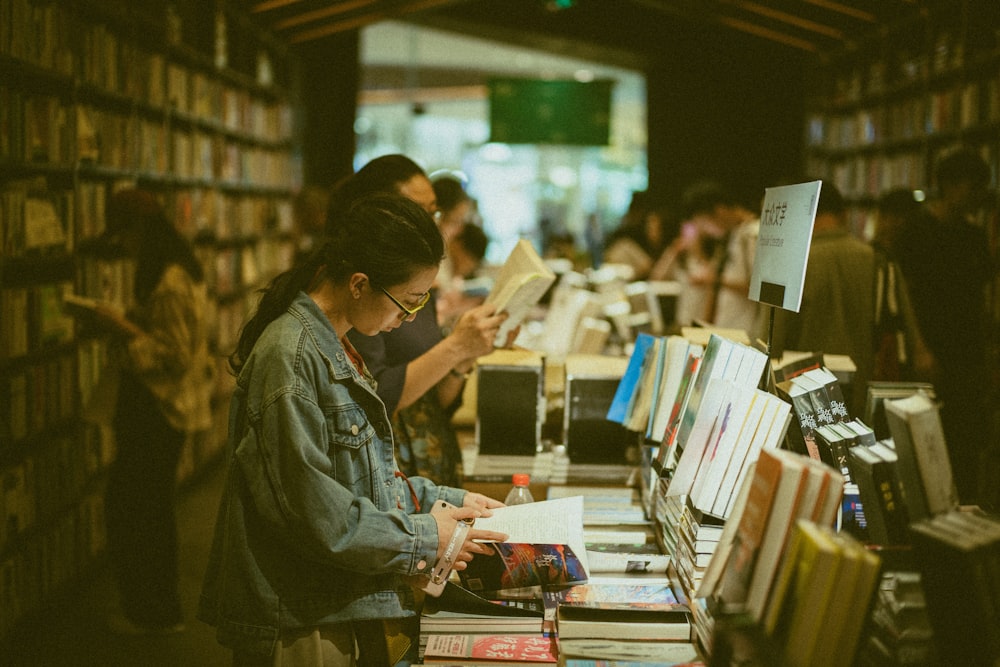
32 319
38 566
55 38
972 105
39 217
40 486
47 129
51 512
38 397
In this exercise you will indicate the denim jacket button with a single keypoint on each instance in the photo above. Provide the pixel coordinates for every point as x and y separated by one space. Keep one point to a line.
421 565
354 429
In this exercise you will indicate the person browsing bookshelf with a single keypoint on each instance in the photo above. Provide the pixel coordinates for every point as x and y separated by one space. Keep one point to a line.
420 372
319 536
164 389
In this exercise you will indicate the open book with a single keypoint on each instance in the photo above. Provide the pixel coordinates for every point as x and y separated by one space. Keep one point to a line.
83 305
545 545
520 284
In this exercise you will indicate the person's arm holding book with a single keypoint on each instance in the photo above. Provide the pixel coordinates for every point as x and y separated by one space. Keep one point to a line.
448 362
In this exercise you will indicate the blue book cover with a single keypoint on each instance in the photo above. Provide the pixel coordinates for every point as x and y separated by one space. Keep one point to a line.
630 379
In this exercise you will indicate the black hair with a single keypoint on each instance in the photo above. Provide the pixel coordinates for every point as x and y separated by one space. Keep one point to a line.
387 237
382 174
704 196
473 239
962 165
830 199
160 244
899 202
449 192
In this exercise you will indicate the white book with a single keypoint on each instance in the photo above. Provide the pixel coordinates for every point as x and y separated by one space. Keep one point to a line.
723 445
696 441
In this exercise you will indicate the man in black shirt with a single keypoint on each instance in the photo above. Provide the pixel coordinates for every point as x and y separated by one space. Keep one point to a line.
946 261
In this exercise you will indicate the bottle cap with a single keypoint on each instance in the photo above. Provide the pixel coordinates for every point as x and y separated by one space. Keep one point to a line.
521 479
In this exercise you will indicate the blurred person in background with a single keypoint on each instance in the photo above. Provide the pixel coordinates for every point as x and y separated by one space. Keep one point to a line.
164 393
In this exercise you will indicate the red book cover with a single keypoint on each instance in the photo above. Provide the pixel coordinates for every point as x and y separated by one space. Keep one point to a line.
530 648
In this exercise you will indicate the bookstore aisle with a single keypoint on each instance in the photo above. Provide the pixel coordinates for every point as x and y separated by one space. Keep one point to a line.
72 633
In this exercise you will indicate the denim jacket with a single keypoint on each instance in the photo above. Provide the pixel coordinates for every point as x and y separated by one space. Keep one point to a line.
310 529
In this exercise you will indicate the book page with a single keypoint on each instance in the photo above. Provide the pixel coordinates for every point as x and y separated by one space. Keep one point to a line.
520 284
558 521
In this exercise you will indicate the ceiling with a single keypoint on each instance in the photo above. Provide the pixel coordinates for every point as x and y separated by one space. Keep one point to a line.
626 33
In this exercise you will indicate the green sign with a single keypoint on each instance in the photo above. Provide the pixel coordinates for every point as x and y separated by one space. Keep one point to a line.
532 111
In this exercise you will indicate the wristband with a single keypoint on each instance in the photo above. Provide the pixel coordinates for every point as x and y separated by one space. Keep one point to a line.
442 569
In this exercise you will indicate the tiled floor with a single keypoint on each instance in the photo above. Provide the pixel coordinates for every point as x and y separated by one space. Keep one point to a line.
73 634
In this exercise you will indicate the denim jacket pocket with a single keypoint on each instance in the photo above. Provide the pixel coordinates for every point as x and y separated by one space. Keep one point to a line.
351 434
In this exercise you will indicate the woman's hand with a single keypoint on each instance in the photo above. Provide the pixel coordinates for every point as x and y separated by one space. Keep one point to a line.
475 331
446 522
482 503
112 319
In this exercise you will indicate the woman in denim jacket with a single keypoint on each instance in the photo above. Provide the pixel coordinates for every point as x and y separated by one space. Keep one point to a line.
319 536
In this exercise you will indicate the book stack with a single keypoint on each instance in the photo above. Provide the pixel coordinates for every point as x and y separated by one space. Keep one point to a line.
458 619
618 537
619 611
957 553
785 487
900 630
698 535
822 597
817 399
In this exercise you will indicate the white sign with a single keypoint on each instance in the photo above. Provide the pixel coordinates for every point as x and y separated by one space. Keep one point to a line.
786 224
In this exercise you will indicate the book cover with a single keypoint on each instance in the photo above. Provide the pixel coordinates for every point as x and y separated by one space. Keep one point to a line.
493 649
617 595
629 383
624 653
772 419
924 466
519 286
816 568
640 405
796 497
727 447
545 545
674 366
779 477
849 604
667 455
695 443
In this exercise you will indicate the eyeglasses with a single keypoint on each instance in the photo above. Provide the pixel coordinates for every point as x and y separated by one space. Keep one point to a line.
410 312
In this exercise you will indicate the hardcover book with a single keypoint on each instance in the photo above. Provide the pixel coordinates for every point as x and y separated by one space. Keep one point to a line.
924 466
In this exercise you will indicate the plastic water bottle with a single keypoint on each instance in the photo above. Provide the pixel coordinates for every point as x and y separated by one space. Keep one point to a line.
520 493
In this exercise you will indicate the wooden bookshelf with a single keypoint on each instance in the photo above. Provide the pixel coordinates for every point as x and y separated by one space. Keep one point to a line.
882 111
194 104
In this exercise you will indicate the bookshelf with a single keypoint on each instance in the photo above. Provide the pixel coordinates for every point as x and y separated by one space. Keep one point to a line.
189 100
881 111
